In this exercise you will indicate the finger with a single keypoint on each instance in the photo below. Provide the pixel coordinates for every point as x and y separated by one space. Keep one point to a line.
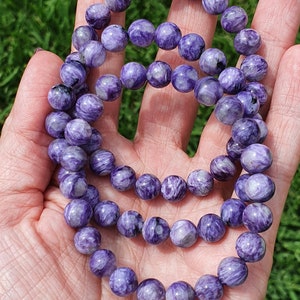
278 23
167 116
112 65
25 165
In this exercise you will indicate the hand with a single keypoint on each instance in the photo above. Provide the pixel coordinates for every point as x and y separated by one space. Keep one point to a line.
37 256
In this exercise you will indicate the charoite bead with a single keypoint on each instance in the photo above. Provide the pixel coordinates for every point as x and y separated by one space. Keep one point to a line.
73 74
257 217
133 75
56 122
232 212
247 41
191 46
114 38
108 87
122 178
167 35
123 281
155 230
239 187
200 182
150 289
102 162
209 287
147 187
102 263
130 223
159 74
254 67
78 213
232 80
73 186
78 132
91 195
212 61
98 15
222 168
234 19
232 271
87 240
56 148
211 228
83 34
93 54
250 247
173 188
106 213
251 105
258 91
141 33
180 290
73 158
183 234
117 5
214 7
61 97
183 78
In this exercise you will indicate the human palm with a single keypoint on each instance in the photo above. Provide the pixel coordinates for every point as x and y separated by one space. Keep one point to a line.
37 255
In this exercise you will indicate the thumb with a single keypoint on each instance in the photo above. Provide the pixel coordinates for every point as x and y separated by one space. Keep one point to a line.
24 164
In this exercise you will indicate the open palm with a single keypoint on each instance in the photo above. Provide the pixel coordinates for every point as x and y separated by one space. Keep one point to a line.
37 256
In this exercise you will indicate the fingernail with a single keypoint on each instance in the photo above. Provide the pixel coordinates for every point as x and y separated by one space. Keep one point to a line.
38 49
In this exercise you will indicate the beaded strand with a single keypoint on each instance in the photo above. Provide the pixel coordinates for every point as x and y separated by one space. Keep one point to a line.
237 96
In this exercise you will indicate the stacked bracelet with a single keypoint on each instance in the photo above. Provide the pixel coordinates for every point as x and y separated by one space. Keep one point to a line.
237 95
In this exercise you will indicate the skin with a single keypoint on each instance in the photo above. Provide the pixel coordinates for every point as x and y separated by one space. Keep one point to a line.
37 256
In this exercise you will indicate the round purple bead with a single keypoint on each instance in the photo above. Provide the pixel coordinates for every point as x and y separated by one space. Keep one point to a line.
114 38
214 7
257 217
239 187
62 174
250 247
159 74
150 289
78 213
106 213
73 74
259 187
234 19
61 97
133 75
251 105
184 78
212 61
147 186
232 80
82 35
73 158
200 182
130 223
93 54
209 287
155 230
78 132
89 107
211 228
229 109
263 129
102 263
258 91
102 162
232 271
173 188
98 15
183 234
73 186
56 122
141 32
167 36
87 240
123 281
256 158
208 90
108 87
222 168
232 212
254 67
247 41
117 5
122 178
180 290
191 46
245 131
234 149
56 148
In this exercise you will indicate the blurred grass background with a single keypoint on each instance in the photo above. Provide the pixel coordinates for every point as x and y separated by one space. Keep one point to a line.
26 25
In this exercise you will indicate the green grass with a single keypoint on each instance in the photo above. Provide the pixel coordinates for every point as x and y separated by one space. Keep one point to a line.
26 25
